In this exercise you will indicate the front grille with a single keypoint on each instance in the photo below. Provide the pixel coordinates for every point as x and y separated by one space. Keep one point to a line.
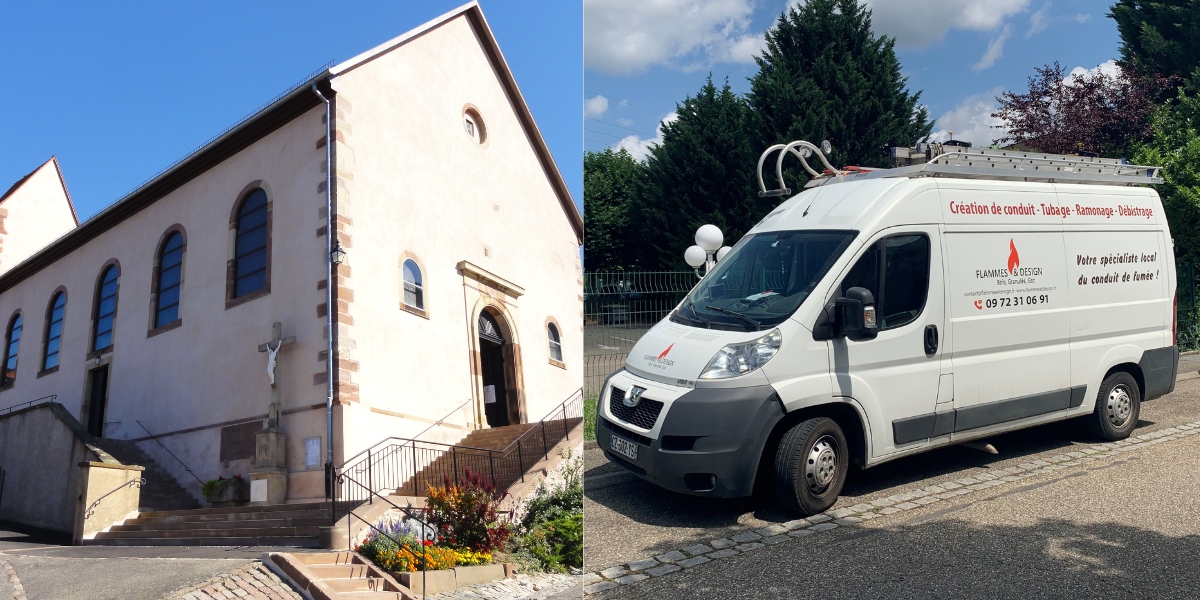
625 433
644 415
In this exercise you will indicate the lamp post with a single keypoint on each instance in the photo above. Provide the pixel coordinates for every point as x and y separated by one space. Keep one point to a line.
708 249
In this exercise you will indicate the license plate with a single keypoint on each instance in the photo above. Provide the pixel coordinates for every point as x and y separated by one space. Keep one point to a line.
625 448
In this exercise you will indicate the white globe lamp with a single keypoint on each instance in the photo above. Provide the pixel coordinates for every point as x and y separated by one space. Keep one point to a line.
695 256
722 252
709 238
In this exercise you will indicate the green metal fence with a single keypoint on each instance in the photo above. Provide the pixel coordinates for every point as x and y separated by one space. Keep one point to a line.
619 307
1187 326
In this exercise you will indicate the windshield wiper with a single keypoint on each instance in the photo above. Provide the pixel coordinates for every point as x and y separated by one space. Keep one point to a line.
757 326
706 322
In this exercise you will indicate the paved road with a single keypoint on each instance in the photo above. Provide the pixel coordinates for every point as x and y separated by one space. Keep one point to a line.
635 520
48 569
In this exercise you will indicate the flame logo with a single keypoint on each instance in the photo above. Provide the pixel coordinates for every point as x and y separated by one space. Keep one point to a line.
1014 260
664 352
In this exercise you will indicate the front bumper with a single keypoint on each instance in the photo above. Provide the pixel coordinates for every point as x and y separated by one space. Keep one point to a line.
706 442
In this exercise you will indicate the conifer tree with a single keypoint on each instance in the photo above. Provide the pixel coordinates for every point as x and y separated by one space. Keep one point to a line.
609 183
702 172
825 76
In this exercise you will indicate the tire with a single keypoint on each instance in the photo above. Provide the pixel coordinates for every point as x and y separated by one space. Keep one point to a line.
1118 405
810 466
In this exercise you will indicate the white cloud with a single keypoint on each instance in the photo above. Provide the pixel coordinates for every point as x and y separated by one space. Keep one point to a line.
625 37
640 148
1109 68
1082 18
1039 21
623 122
918 23
995 50
972 120
595 107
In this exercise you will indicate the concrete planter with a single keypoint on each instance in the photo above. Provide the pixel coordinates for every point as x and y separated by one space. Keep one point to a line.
449 580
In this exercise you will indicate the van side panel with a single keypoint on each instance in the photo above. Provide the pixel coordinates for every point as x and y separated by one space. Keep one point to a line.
1117 290
1011 325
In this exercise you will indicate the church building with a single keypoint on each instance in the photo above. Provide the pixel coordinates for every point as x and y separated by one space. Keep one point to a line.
197 312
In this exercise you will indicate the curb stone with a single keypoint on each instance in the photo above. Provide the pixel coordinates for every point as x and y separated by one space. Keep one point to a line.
849 517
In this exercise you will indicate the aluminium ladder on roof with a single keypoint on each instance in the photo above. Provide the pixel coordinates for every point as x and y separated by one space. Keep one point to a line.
984 163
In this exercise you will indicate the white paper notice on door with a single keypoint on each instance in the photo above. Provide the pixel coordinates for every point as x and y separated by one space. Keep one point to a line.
489 394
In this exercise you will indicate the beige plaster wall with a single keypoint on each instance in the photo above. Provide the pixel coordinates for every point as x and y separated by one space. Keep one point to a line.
208 370
37 213
39 454
109 487
413 181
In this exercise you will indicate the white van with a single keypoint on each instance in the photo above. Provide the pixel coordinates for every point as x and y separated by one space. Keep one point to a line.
882 314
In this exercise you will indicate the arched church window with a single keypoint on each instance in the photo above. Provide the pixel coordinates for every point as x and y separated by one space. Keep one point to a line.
250 254
12 342
555 342
170 280
54 326
473 124
106 308
414 290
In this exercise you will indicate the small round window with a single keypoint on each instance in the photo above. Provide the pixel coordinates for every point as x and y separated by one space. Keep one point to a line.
473 125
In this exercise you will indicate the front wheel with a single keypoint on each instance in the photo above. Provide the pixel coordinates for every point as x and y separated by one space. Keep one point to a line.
810 466
1117 407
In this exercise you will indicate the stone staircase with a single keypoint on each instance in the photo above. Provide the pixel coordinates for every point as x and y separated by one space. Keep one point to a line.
296 525
161 491
338 575
469 453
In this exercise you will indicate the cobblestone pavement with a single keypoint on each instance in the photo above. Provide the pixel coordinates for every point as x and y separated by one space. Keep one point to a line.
10 586
684 532
543 586
250 581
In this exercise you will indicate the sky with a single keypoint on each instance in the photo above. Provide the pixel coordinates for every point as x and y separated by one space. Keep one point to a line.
644 56
119 91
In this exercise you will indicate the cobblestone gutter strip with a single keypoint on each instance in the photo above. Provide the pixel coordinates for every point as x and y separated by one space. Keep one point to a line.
18 592
753 539
250 581
520 586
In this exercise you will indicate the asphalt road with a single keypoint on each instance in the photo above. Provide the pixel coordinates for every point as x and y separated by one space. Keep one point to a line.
1121 529
51 569
950 554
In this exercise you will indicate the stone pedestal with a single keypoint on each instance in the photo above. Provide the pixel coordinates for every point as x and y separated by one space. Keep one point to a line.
268 479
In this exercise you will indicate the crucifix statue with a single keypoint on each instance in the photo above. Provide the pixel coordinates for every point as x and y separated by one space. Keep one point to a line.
272 349
268 479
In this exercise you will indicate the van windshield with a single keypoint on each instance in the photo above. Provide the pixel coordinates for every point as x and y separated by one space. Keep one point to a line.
763 279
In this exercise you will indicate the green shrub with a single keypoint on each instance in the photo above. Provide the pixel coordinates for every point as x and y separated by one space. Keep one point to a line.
465 514
552 522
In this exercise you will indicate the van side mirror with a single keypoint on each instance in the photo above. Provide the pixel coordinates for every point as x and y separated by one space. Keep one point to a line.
855 317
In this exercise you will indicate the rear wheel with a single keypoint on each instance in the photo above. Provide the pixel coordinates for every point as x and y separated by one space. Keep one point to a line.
810 466
1118 405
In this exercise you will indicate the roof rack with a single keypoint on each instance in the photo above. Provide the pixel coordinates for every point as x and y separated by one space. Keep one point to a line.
972 163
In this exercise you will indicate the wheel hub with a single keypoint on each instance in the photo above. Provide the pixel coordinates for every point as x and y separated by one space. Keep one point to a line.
1119 406
820 466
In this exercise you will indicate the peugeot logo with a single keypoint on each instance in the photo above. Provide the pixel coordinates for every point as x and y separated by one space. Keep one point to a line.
633 395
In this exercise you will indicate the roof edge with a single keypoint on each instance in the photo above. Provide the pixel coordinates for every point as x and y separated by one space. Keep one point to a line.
491 48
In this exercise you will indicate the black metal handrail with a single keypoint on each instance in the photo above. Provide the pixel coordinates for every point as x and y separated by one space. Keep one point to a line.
441 420
396 464
160 444
427 531
50 398
132 483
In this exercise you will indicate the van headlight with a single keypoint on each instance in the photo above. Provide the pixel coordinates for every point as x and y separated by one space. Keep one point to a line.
739 359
